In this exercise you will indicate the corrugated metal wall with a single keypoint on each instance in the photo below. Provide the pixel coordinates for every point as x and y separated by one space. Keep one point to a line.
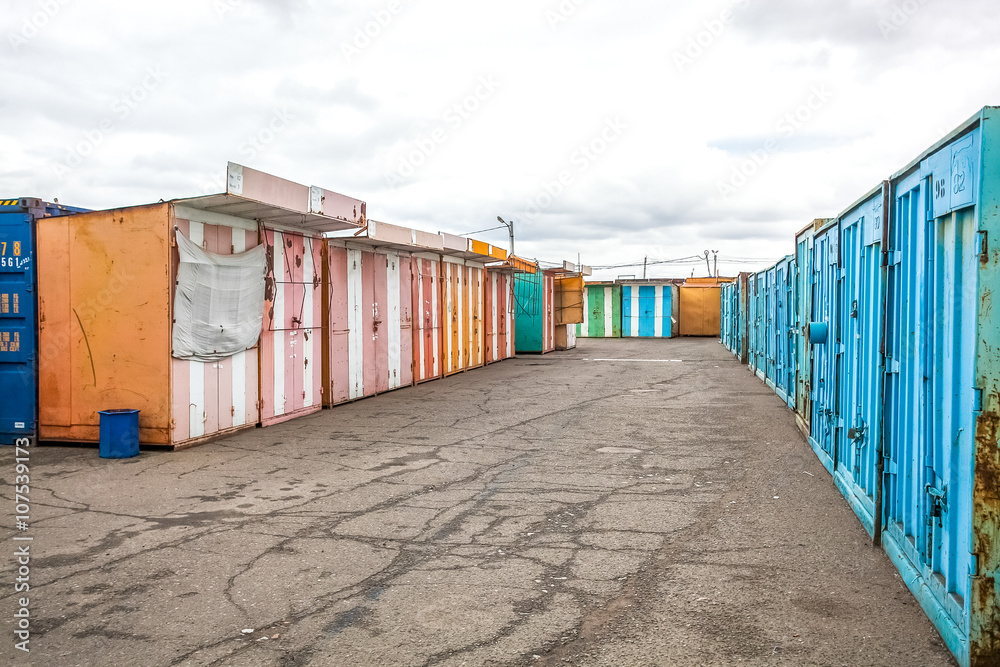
700 310
499 325
427 330
463 300
19 314
368 306
894 299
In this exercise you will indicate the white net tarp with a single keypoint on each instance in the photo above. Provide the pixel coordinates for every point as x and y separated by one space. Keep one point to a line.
218 303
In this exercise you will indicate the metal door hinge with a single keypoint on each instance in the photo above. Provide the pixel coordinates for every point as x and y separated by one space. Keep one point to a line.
982 248
977 399
973 565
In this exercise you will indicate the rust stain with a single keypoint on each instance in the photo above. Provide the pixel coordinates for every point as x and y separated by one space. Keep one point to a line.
984 647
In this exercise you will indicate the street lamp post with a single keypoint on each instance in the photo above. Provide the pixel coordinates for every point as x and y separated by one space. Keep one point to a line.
510 228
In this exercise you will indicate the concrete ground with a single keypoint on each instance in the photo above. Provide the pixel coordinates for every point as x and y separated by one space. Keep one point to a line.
624 503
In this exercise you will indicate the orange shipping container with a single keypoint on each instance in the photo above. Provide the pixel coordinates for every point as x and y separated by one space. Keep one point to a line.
700 313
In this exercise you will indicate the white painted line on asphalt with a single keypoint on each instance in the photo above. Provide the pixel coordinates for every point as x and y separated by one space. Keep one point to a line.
642 360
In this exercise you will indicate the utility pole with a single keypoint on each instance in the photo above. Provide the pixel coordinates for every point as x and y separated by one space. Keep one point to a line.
715 261
644 260
708 266
510 228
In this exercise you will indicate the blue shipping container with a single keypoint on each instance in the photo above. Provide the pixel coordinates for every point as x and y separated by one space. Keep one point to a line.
942 386
895 299
783 325
18 314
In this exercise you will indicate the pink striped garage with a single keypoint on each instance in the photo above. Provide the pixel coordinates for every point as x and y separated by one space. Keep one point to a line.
369 292
210 398
499 339
292 219
93 357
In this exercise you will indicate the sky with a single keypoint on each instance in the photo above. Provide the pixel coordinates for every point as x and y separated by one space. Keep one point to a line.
610 132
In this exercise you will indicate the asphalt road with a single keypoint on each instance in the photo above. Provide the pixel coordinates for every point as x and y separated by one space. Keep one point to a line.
624 503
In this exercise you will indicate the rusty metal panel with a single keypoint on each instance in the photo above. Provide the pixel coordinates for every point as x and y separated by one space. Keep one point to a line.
499 315
984 599
700 308
336 350
290 373
104 289
211 398
428 289
934 400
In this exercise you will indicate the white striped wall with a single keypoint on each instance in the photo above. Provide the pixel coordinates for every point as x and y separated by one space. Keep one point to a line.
308 338
239 360
392 305
355 326
278 271
608 312
198 408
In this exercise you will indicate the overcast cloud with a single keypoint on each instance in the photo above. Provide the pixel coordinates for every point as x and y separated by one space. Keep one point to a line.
610 130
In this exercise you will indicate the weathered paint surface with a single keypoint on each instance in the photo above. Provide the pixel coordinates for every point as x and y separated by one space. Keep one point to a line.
291 373
499 316
369 315
208 398
931 398
534 312
94 357
603 312
87 362
427 330
904 400
984 593
826 274
464 310
700 310
648 310
803 313
859 385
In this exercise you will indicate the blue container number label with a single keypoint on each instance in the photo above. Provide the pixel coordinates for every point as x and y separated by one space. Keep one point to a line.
10 303
10 341
11 256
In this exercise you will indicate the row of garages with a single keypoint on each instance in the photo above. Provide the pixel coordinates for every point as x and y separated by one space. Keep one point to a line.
881 331
250 307
630 308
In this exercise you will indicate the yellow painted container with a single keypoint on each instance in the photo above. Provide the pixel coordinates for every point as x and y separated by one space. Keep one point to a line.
700 313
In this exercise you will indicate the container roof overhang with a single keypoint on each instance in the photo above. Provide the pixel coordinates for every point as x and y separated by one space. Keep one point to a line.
268 199
405 239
